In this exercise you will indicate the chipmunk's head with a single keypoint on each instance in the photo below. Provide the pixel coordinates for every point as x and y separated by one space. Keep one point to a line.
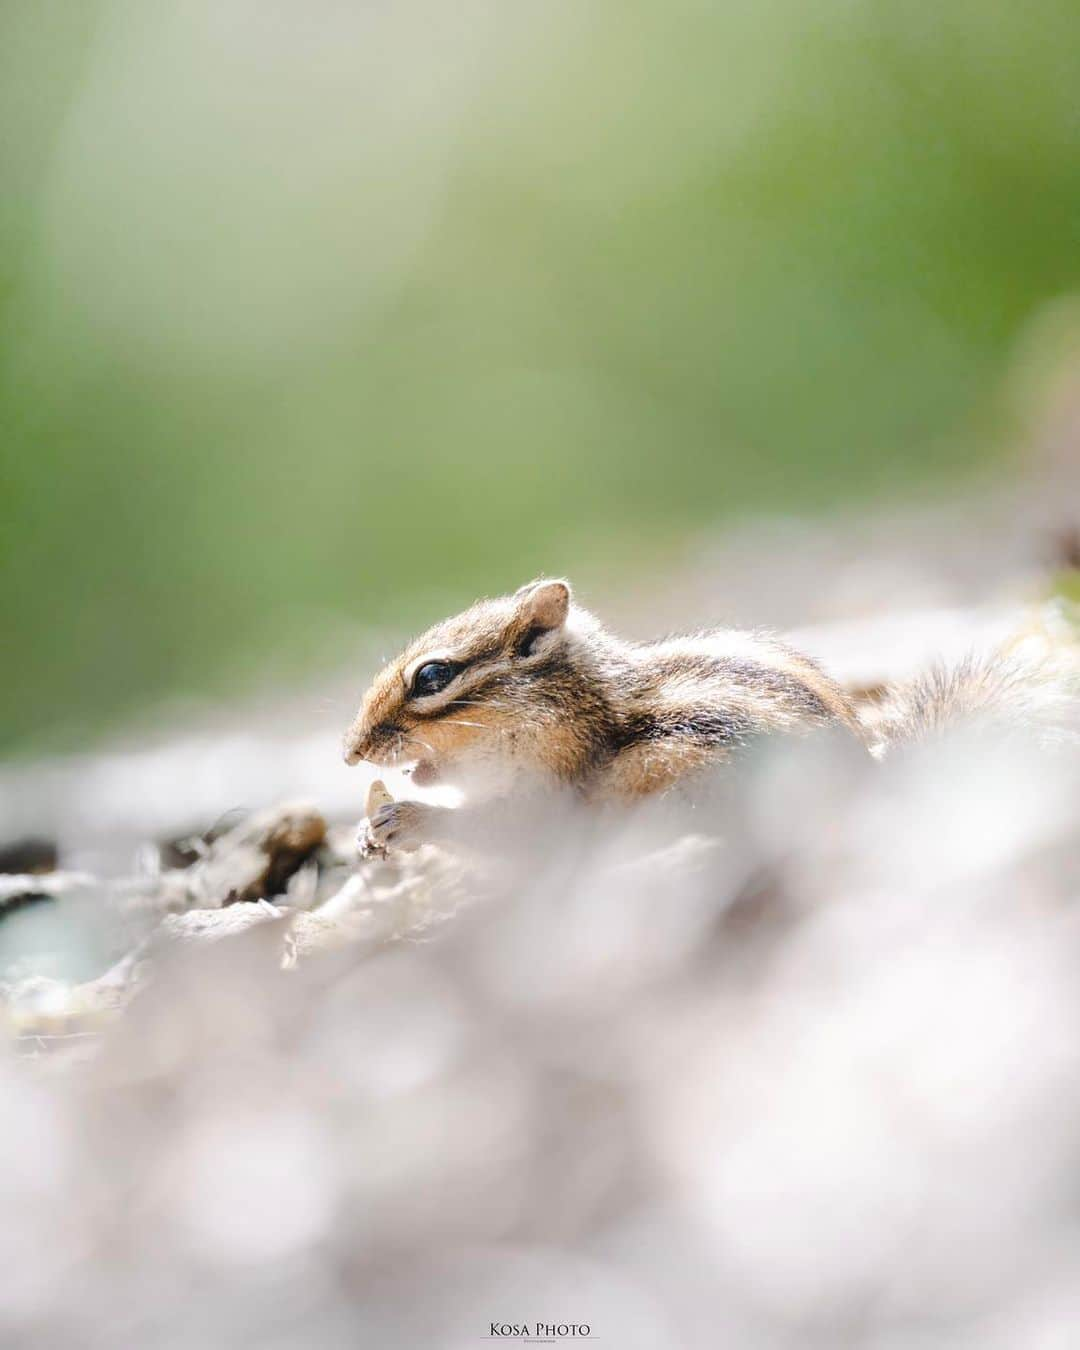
467 689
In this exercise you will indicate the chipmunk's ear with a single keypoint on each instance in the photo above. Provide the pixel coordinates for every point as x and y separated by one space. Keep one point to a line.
543 605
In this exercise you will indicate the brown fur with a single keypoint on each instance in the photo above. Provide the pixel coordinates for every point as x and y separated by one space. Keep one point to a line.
544 689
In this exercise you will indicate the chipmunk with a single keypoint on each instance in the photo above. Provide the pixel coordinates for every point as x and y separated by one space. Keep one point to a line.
533 686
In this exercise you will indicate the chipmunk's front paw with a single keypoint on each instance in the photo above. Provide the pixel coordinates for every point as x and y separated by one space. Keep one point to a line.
400 825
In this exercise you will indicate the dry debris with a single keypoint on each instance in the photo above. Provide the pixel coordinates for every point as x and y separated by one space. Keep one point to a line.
282 867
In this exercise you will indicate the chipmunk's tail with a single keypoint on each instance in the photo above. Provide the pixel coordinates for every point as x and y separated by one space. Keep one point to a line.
1008 695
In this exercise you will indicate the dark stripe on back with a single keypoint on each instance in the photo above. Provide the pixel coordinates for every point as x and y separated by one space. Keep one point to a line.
780 682
704 726
752 674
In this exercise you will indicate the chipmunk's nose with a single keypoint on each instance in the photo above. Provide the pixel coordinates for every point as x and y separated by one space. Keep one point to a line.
355 745
362 742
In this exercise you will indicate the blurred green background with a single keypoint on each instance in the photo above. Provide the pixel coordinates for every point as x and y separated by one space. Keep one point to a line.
312 315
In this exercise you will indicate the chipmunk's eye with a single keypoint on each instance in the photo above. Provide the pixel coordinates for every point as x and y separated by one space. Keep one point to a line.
433 677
